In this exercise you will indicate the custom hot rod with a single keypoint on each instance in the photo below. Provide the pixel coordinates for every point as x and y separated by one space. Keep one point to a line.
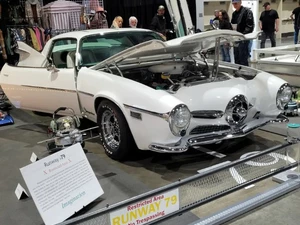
144 92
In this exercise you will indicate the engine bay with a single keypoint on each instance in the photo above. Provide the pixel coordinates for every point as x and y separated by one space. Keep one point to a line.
169 76
172 75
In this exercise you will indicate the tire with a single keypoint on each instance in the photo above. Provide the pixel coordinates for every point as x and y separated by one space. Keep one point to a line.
122 141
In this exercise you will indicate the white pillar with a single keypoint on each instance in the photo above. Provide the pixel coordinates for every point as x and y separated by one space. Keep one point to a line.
200 14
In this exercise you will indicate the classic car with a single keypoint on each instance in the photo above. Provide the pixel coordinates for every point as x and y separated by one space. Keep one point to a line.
146 93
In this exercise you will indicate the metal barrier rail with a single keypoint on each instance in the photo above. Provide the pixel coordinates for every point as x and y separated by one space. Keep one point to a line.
279 50
204 187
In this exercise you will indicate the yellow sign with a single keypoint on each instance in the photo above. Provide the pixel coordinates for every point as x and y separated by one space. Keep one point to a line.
148 210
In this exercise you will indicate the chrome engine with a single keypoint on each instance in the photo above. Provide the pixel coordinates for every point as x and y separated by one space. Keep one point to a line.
169 76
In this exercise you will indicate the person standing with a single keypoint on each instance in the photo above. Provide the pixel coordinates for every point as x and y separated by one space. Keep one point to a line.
268 23
117 22
295 17
224 23
133 22
159 23
243 22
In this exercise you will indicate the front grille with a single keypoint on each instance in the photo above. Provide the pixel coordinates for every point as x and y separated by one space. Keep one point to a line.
210 129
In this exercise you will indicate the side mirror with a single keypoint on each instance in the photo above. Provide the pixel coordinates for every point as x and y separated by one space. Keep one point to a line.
78 61
50 66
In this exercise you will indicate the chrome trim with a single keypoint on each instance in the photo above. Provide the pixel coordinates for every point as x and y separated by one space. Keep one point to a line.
169 148
281 89
86 93
47 88
31 67
161 115
207 114
171 118
213 132
237 110
89 112
136 115
195 140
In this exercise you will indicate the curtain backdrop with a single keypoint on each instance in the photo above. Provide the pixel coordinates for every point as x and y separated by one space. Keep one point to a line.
143 10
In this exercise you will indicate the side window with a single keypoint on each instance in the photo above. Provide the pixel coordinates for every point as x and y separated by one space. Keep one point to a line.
63 53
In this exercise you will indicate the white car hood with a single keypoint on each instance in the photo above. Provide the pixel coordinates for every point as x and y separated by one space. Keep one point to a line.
174 48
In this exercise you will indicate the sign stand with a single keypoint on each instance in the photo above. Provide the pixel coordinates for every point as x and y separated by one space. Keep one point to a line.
61 183
21 193
33 157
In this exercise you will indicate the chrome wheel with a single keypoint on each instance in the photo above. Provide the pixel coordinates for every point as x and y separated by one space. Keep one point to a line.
110 129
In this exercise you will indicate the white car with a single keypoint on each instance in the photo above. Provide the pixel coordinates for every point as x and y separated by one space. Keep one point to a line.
146 93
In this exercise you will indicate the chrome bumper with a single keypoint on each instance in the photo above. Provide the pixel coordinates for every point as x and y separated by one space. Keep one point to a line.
195 140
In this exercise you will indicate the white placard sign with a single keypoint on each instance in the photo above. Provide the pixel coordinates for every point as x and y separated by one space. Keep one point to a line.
20 192
61 184
33 157
148 210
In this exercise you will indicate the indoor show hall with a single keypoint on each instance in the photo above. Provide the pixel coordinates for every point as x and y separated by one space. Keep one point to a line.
131 112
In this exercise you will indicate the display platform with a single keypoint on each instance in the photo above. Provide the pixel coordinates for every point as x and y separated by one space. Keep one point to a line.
146 171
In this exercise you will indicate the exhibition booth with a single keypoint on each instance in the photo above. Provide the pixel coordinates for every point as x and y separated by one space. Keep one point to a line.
124 127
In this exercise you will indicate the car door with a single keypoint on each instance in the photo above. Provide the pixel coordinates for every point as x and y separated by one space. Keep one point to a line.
44 88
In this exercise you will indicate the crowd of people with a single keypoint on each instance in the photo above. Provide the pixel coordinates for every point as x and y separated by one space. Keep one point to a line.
158 22
242 20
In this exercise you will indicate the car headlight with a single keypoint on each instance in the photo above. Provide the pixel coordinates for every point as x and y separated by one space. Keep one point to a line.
179 120
284 95
237 110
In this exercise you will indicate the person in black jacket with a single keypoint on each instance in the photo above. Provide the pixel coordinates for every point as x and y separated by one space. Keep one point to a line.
158 23
224 23
243 22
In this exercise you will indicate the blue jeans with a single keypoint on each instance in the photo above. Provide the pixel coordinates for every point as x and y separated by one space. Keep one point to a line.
296 33
241 53
250 47
225 53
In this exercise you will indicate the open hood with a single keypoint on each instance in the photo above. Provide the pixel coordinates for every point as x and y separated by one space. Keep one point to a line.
178 47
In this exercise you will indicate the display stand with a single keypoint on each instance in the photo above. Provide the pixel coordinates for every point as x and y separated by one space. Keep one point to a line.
293 136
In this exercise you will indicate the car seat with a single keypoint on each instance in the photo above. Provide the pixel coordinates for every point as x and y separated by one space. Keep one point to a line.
71 59
116 50
88 57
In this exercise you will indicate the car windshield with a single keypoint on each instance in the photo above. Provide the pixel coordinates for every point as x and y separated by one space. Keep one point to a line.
97 48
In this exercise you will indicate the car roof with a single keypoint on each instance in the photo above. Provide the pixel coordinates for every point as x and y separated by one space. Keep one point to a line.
83 33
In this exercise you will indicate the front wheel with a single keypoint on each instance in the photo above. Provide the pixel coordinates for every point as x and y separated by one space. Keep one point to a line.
114 132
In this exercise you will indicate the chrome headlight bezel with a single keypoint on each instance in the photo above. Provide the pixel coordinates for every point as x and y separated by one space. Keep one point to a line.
179 120
284 95
237 110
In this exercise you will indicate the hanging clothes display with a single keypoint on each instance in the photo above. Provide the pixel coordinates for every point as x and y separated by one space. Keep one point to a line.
2 46
62 15
33 12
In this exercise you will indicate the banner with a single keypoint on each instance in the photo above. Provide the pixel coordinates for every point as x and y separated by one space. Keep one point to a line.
146 211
